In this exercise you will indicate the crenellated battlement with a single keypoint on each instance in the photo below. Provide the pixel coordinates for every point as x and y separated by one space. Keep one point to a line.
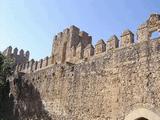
20 57
10 51
75 46
33 65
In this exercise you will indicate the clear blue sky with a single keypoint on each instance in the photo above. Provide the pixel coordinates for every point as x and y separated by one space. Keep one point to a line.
31 24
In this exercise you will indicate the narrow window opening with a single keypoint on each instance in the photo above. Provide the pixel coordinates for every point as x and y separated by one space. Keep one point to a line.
155 35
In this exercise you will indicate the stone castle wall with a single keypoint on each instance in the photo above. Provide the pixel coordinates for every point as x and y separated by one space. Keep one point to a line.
105 82
75 46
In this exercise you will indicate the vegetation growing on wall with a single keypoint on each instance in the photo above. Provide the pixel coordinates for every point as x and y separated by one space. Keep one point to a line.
6 66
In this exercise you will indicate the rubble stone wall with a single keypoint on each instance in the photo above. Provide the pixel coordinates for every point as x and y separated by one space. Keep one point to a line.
120 83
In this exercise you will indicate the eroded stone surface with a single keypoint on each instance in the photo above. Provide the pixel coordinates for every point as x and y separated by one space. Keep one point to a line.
107 86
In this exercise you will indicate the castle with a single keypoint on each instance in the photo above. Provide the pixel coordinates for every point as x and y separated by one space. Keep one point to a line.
113 80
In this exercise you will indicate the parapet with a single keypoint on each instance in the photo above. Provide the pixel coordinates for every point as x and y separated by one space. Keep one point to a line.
73 45
32 65
19 57
8 52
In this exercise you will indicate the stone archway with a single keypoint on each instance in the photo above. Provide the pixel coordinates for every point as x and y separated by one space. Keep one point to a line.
142 114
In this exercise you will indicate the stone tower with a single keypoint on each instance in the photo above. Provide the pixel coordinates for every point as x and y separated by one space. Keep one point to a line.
66 42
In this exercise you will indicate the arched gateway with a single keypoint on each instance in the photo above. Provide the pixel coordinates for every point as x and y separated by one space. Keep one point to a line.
142 114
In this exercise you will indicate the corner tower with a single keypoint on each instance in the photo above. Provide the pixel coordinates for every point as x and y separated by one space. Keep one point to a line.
66 42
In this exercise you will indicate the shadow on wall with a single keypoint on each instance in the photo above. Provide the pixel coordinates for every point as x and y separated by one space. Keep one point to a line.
6 103
142 118
27 101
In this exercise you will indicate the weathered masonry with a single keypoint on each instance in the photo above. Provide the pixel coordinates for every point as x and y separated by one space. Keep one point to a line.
113 80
